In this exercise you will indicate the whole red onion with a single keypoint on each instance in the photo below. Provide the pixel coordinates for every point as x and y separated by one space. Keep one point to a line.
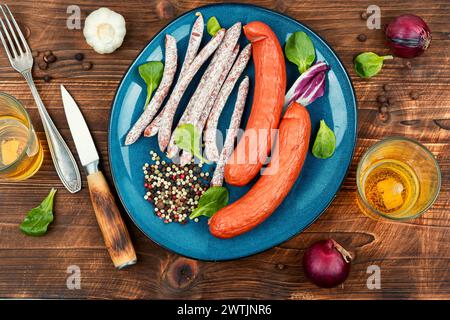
408 36
327 263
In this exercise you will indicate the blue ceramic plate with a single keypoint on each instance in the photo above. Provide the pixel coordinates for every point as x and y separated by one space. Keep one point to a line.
319 180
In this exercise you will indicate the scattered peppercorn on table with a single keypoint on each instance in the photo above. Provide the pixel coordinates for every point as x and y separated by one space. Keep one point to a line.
408 97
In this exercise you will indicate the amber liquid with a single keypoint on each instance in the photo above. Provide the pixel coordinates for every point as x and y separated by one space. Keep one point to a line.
20 158
391 187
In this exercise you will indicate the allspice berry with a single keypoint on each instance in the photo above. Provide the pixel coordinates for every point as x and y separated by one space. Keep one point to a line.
381 99
50 58
165 9
414 95
87 65
42 65
362 37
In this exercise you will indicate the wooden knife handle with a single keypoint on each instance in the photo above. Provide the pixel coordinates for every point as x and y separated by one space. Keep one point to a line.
113 228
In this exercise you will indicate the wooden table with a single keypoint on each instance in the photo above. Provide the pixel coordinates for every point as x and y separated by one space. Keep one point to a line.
413 256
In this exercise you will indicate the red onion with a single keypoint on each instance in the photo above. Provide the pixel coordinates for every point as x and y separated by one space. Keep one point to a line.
327 263
408 36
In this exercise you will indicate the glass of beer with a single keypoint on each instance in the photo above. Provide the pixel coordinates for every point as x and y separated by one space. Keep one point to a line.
21 153
398 179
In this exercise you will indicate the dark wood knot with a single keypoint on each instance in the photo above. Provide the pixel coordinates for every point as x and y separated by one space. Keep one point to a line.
182 273
410 122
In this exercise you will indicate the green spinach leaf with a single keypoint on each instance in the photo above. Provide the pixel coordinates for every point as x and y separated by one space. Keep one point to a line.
325 142
213 26
187 138
214 199
368 64
300 50
37 220
151 72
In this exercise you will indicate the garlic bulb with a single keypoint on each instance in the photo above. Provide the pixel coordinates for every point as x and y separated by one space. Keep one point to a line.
104 30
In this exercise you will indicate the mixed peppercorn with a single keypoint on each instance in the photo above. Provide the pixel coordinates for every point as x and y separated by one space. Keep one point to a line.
173 189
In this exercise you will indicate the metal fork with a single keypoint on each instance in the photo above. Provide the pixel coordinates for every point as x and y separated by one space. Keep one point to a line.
21 60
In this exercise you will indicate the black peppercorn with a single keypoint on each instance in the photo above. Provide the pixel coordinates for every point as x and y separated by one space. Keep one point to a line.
79 56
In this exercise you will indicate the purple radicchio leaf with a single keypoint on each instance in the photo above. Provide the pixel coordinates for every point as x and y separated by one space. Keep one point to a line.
309 86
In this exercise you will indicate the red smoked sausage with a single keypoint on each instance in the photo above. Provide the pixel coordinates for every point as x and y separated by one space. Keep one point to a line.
270 87
271 189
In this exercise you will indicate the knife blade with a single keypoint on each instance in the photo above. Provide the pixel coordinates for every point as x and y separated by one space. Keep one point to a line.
115 233
84 143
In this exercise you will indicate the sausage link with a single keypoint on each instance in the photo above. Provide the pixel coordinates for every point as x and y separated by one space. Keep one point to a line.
170 68
194 41
217 69
268 99
210 134
271 189
217 179
172 149
153 127
165 127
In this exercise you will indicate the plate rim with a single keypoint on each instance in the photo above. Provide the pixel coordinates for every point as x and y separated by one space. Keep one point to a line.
354 142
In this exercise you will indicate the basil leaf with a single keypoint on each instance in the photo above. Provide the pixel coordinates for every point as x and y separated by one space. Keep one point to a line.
368 64
187 138
213 26
37 220
299 50
214 199
325 142
151 72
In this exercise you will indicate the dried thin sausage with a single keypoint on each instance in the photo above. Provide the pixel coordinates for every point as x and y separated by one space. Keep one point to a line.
188 116
165 126
225 50
170 68
217 179
211 150
194 41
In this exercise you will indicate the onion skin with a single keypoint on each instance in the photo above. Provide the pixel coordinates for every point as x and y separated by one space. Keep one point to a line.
408 36
325 265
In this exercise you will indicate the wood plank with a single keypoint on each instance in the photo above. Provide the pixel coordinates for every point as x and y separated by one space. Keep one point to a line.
413 256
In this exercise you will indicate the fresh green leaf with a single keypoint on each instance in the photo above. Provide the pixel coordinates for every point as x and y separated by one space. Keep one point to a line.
151 72
368 64
299 49
214 199
325 142
213 26
37 220
187 138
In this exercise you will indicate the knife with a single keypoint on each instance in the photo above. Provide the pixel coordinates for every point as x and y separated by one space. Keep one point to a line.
113 228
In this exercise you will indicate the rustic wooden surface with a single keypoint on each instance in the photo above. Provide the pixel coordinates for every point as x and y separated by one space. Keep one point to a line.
414 256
